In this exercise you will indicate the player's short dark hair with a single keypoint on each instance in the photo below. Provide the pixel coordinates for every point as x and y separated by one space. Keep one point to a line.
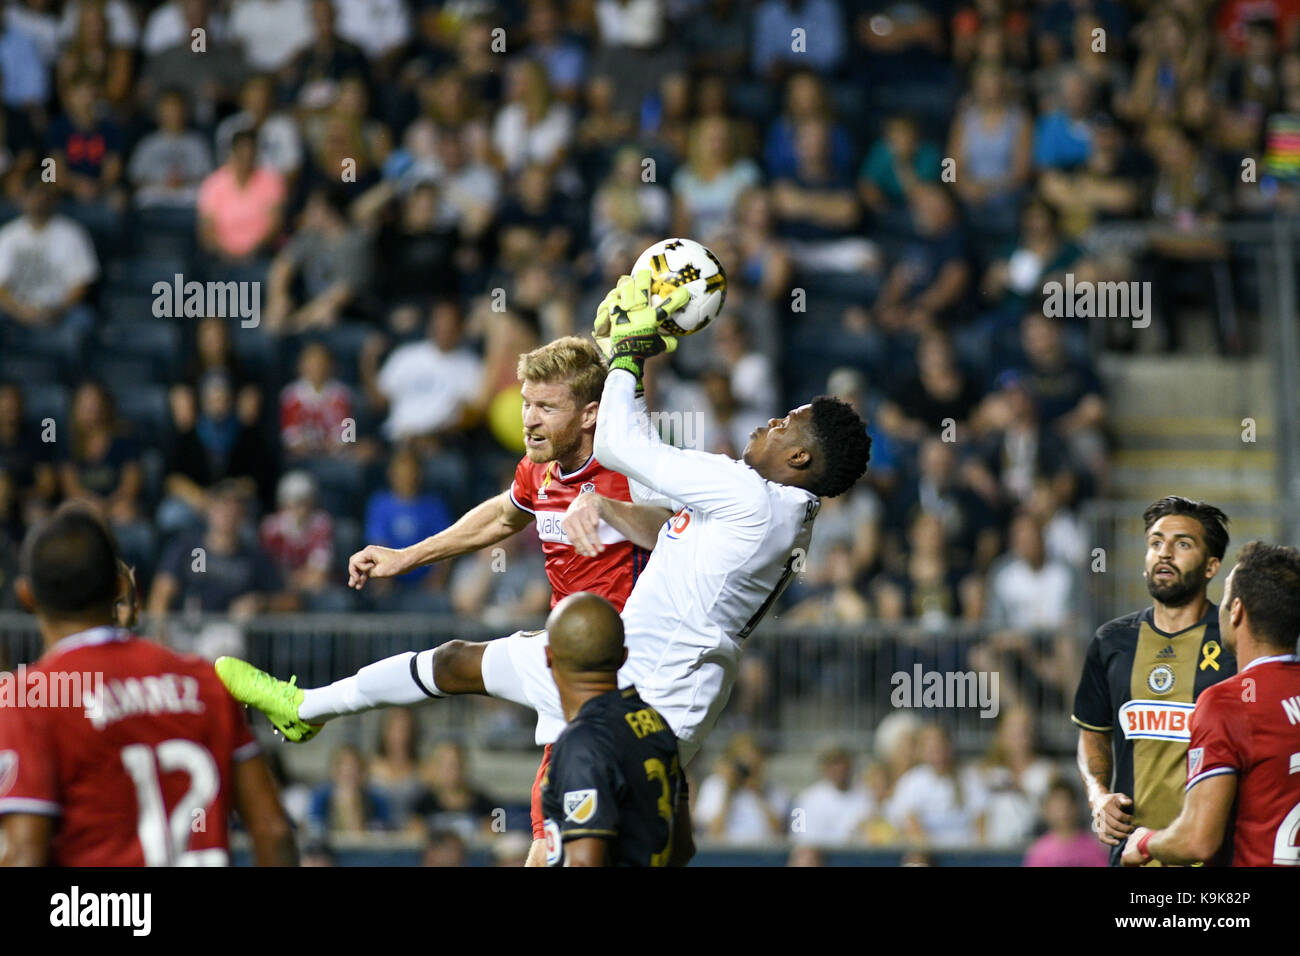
843 446
1267 581
70 559
1213 521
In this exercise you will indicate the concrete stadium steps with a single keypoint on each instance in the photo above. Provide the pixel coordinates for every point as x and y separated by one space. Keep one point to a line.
1176 424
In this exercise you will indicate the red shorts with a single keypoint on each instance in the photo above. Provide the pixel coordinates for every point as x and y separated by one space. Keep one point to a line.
539 818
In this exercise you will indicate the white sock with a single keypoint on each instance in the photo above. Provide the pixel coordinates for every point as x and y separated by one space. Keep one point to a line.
398 681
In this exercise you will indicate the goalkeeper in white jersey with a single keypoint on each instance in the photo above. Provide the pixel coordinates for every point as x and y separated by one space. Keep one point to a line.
718 565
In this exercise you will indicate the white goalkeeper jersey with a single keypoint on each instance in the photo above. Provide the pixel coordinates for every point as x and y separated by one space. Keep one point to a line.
718 565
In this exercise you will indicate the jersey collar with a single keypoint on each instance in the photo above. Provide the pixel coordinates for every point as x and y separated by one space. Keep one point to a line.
561 476
1276 658
96 635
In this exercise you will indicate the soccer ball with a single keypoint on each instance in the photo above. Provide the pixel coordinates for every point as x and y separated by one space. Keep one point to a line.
685 262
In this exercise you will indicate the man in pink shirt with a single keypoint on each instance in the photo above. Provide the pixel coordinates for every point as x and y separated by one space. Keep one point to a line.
241 204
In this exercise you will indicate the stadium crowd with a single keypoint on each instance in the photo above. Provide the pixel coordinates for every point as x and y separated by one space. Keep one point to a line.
421 190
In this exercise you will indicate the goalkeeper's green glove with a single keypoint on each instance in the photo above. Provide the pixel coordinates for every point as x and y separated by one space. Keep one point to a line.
634 324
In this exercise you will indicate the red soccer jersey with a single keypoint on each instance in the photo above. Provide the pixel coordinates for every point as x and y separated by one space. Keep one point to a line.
546 493
131 745
1250 725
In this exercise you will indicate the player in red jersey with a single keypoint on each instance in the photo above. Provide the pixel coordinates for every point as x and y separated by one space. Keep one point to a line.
559 488
115 751
1243 761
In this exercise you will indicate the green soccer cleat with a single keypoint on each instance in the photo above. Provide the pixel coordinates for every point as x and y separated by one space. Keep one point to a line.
278 699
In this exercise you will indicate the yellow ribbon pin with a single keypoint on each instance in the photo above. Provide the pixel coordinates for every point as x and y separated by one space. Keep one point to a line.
1210 652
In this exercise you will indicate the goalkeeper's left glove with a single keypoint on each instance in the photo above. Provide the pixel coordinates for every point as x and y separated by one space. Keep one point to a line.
634 324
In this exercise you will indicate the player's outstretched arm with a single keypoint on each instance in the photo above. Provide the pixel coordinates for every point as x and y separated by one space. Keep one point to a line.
1196 835
494 520
26 840
713 483
258 801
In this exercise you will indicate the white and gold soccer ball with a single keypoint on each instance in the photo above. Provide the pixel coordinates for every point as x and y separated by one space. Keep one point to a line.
677 263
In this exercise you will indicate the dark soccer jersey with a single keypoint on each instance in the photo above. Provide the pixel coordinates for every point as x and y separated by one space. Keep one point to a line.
1140 685
614 774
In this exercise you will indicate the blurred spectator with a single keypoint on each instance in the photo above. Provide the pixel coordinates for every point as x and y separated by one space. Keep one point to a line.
348 804
562 56
1015 279
451 801
502 585
444 848
402 514
395 766
298 538
87 146
929 804
805 99
1104 187
707 188
215 352
1026 591
835 597
218 569
1067 842
835 808
314 408
317 277
101 464
95 54
414 248
926 588
532 127
27 463
326 59
208 81
1013 778
816 207
18 142
1063 135
896 162
379 27
1015 447
279 144
764 261
212 446
938 400
47 264
627 205
241 204
1066 390
735 803
931 275
27 50
271 31
427 386
169 164
820 26
991 141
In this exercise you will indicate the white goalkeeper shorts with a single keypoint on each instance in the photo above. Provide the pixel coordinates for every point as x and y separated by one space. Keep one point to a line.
689 694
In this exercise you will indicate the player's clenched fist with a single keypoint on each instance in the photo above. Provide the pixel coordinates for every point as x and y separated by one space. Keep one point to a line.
1111 819
581 524
374 561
